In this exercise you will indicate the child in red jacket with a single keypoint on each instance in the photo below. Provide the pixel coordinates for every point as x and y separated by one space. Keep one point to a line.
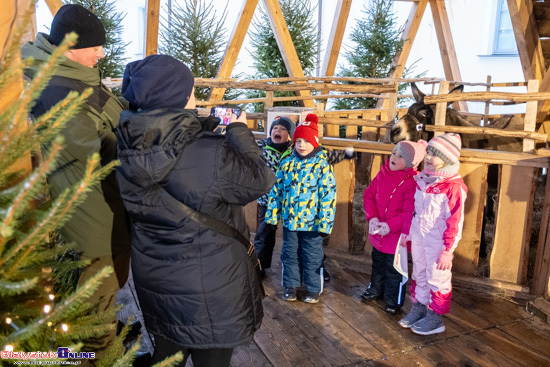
389 206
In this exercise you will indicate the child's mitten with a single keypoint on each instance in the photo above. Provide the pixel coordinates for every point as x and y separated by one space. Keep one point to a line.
383 229
373 225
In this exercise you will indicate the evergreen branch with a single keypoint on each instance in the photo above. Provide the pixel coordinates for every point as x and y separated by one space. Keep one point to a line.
25 188
117 348
8 289
170 361
57 313
63 205
130 355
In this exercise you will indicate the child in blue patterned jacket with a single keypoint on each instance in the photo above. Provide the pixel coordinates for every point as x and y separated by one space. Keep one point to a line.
305 196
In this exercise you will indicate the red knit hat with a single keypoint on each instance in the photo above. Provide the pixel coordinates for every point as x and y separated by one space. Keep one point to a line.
308 130
413 153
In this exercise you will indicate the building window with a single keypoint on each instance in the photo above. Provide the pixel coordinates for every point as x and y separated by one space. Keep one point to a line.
505 41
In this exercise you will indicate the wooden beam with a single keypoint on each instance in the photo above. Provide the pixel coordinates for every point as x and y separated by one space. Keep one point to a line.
335 38
446 44
286 46
409 35
541 277
527 39
152 30
530 119
54 5
10 17
234 45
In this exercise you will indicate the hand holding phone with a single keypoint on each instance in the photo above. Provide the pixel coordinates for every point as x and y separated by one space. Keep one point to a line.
225 113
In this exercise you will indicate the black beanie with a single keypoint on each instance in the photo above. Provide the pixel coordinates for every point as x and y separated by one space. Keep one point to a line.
285 122
158 81
76 18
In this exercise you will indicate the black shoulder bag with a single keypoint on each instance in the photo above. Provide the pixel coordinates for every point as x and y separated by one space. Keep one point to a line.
223 229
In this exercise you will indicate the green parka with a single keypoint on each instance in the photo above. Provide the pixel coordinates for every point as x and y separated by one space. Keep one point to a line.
99 225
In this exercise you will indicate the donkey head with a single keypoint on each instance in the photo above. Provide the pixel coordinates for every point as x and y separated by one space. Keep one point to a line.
411 125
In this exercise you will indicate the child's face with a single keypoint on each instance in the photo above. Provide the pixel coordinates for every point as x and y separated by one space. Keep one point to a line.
433 163
279 134
303 146
397 163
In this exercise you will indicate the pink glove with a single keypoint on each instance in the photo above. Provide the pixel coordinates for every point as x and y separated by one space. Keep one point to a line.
373 225
383 229
445 261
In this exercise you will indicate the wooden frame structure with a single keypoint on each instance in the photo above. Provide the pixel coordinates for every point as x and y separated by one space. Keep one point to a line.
531 24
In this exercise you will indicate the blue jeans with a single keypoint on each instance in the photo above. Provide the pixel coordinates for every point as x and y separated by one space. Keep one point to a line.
305 249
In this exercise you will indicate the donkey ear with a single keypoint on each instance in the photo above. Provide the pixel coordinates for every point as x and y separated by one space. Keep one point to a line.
417 94
457 89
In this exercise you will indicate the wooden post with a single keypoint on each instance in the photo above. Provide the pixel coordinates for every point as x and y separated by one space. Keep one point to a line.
54 5
467 253
541 276
286 46
446 45
234 45
152 30
530 115
335 38
14 85
488 103
441 108
508 261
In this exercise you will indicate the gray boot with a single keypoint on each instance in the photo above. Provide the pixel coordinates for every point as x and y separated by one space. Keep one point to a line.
417 312
431 324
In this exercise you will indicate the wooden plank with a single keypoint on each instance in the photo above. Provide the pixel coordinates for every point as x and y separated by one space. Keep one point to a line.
12 87
543 27
541 276
446 45
234 45
248 355
152 31
541 10
441 108
533 330
508 260
286 46
335 38
54 5
530 120
527 39
482 96
345 188
514 352
467 253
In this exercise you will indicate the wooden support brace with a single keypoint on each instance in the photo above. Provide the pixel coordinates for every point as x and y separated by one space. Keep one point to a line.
441 108
336 36
152 31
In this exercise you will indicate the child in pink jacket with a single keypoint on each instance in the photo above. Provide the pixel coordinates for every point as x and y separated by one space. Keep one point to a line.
435 231
389 205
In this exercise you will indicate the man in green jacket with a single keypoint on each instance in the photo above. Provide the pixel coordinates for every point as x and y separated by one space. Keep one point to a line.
99 228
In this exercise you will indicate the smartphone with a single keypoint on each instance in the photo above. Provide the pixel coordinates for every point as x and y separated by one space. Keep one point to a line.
224 113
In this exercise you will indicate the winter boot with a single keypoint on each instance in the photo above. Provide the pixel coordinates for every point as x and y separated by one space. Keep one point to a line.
417 312
311 297
289 294
431 324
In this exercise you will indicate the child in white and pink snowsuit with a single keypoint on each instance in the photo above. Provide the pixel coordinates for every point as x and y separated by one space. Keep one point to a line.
389 206
435 231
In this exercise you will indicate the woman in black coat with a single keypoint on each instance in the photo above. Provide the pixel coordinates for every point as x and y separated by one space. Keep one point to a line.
197 288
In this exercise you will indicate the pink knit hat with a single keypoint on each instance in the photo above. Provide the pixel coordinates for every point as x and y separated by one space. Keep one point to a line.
447 147
413 153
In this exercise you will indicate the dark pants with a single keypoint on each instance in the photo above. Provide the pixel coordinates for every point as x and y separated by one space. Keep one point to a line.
305 248
385 280
104 298
264 241
215 357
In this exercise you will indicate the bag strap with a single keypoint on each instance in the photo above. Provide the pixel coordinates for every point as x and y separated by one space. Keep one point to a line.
212 223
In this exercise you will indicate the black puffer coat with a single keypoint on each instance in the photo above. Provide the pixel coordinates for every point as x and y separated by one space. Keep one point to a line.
196 287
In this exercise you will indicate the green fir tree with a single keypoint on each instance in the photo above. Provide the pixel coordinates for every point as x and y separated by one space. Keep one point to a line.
193 33
376 39
114 62
300 18
36 314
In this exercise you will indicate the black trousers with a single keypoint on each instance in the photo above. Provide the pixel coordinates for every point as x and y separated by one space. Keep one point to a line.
385 280
264 241
215 357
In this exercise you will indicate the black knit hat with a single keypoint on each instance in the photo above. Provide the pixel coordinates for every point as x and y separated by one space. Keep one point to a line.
285 122
76 18
158 81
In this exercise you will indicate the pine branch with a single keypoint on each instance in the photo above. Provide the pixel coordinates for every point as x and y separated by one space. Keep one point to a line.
9 289
57 313
171 361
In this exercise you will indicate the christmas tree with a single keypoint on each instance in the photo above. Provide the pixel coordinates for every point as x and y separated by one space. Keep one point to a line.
36 315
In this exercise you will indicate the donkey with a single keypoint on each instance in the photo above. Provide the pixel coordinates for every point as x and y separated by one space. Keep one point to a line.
411 125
